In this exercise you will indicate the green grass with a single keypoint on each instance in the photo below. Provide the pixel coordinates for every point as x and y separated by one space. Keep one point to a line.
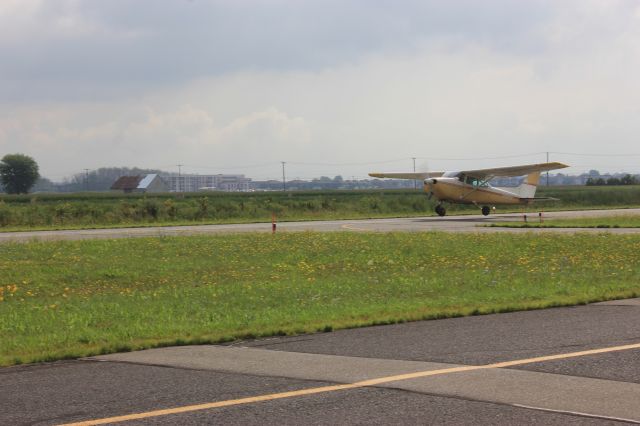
69 299
104 210
614 221
46 211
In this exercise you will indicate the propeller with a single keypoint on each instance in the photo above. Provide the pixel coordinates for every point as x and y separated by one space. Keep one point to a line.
428 182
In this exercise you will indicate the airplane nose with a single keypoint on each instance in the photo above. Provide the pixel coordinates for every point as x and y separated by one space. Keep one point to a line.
428 186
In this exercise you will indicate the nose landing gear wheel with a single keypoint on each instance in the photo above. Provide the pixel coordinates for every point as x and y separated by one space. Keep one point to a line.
486 210
441 211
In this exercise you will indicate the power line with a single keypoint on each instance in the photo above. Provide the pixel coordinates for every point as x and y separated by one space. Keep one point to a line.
429 158
483 158
347 164
594 155
250 166
418 158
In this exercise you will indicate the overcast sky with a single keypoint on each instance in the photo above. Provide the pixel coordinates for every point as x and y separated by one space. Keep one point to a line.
330 87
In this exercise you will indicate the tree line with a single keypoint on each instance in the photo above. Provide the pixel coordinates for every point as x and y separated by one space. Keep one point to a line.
624 180
19 173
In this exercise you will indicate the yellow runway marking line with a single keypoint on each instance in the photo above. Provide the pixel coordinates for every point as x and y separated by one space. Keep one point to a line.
356 385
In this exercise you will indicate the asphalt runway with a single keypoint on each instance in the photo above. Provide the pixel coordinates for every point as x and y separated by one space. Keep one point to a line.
463 223
578 365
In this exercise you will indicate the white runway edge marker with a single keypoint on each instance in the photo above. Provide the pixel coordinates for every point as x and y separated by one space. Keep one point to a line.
347 386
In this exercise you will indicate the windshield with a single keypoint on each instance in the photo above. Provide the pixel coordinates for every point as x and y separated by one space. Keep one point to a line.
470 180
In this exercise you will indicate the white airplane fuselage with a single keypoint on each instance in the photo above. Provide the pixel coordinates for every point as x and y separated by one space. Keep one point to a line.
452 190
472 186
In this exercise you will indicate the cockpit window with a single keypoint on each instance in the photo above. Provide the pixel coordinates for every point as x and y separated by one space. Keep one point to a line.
470 180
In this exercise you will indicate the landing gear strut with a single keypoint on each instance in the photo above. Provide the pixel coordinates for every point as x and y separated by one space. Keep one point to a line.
441 210
486 210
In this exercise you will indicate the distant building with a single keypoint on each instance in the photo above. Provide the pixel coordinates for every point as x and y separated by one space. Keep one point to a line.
194 183
147 183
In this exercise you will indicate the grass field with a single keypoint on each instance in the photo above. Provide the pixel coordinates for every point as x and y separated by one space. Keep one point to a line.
615 221
98 210
68 299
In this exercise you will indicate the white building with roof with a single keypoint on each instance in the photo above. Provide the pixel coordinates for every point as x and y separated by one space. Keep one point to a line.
194 183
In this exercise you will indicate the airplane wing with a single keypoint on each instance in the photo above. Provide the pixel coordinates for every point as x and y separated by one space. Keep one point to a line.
415 176
513 171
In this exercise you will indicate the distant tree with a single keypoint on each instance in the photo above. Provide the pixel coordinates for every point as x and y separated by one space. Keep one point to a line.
613 181
600 181
18 173
590 182
593 172
628 180
44 185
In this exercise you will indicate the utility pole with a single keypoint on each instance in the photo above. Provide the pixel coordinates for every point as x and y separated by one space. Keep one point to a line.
415 182
86 179
284 182
547 170
179 177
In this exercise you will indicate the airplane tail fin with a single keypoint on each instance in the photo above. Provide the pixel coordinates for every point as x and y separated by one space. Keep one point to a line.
528 188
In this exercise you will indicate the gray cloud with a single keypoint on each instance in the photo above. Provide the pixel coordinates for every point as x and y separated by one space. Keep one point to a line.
105 50
221 84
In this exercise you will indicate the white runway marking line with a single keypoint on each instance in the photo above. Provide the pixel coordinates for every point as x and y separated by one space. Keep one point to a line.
361 384
353 228
577 413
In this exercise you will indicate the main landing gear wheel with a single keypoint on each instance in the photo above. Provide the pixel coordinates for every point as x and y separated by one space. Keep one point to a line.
486 210
441 210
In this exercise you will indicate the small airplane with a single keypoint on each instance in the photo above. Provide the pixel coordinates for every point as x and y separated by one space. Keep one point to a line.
472 186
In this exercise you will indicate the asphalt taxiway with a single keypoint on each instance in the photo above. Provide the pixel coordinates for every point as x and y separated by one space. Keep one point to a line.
578 365
462 223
